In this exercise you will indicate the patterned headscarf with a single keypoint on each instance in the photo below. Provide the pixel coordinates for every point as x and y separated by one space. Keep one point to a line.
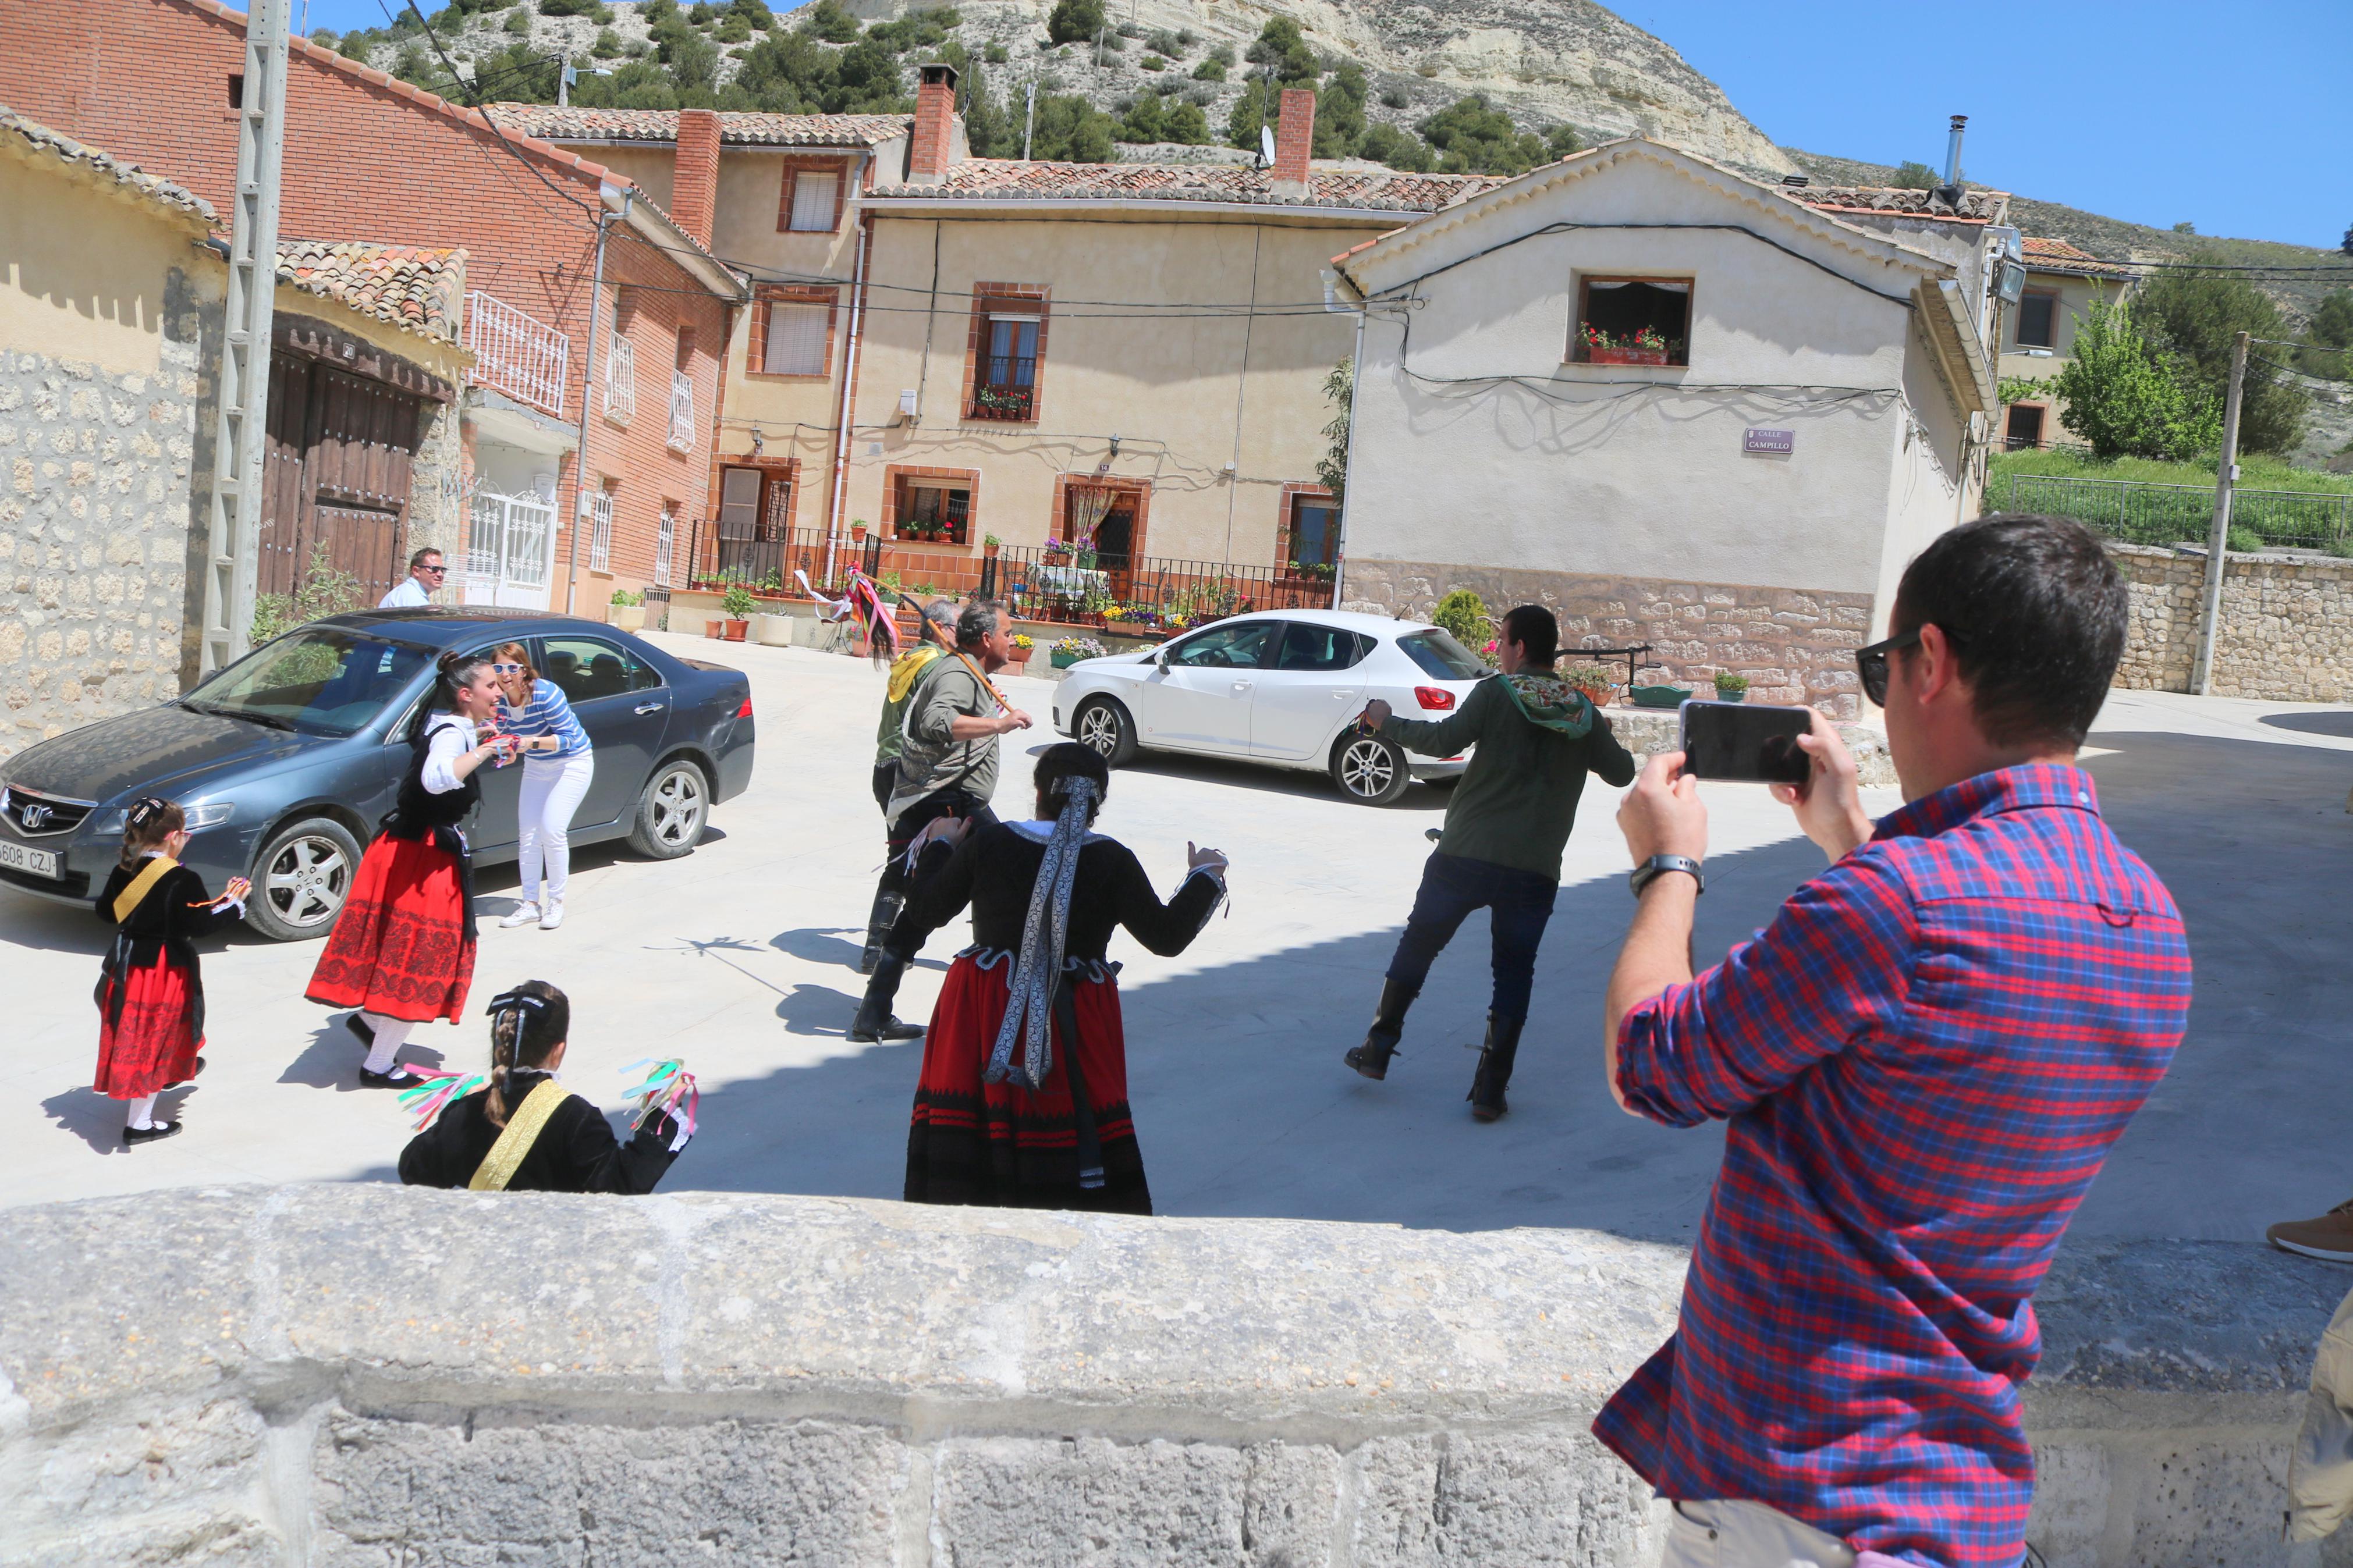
1029 1011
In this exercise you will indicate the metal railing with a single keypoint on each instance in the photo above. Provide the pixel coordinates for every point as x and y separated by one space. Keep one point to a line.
600 532
510 551
665 547
682 411
2141 513
517 354
1150 594
620 379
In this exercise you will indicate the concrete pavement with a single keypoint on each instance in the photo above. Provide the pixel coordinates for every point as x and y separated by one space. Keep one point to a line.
741 957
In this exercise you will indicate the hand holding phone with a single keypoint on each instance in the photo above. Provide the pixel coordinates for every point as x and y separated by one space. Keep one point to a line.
1737 743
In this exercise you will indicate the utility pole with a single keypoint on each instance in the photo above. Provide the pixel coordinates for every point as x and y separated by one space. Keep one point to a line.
2226 478
580 514
564 79
1028 117
240 431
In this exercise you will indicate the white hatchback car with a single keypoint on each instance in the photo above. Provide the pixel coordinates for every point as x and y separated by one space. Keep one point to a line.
1281 687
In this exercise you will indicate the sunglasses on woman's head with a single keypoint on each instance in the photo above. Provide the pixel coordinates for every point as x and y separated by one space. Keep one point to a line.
1871 663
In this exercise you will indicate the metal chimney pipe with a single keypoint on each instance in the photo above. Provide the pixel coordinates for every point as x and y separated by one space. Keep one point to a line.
1953 151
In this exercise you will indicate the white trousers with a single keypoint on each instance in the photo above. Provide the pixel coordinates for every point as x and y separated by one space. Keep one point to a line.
552 789
1721 1534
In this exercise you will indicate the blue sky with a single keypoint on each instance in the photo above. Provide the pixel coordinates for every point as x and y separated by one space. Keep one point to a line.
2238 118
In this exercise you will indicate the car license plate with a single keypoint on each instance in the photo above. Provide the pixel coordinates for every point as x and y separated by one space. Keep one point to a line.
23 857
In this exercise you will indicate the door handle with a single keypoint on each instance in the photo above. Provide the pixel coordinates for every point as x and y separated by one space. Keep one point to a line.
647 708
1241 686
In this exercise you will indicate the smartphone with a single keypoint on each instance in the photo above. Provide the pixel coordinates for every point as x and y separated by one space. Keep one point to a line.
1736 742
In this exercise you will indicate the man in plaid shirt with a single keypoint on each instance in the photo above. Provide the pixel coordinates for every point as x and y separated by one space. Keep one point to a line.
1921 1063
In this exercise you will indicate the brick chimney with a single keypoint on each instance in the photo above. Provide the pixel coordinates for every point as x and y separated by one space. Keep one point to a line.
932 148
694 178
1294 134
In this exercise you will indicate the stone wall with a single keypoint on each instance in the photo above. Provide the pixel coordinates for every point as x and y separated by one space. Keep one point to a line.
1793 645
366 1374
2287 629
94 519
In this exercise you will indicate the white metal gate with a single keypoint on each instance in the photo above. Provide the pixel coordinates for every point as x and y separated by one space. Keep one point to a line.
511 551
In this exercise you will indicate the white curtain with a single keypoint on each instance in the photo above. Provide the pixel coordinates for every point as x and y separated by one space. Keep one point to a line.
813 200
795 338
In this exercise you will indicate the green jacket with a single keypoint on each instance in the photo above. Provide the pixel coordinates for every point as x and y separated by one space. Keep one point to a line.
1537 739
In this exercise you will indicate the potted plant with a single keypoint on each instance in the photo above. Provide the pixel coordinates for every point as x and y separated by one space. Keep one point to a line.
858 529
990 545
1647 345
1593 680
1068 651
1023 646
738 604
1731 688
628 611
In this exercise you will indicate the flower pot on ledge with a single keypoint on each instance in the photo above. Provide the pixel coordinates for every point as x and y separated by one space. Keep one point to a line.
1626 356
733 630
627 617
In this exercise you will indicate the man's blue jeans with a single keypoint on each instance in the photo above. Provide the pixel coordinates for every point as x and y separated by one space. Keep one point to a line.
1518 904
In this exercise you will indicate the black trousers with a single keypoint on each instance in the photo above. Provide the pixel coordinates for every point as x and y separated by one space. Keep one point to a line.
953 802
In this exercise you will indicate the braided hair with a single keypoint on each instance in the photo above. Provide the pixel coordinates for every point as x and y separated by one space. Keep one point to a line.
149 823
526 1025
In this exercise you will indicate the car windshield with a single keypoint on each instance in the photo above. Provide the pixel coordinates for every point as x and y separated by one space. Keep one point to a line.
1437 654
319 680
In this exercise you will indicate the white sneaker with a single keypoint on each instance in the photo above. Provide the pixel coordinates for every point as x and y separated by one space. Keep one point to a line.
552 916
525 914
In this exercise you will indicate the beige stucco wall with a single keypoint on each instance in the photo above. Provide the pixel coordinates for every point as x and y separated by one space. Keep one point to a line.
2076 298
1187 394
83 261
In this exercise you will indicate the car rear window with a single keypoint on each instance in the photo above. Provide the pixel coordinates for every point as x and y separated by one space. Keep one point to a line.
319 680
1435 652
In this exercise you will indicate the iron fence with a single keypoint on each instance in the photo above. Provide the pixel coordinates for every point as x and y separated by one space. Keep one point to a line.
519 355
2141 513
1149 594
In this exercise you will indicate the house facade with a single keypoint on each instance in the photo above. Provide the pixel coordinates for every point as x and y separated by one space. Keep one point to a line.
156 80
1682 408
2062 284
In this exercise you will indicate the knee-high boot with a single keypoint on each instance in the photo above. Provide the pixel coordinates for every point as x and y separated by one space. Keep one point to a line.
875 1021
1495 1060
1372 1057
888 903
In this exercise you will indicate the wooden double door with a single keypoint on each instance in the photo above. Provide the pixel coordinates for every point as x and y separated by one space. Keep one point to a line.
337 476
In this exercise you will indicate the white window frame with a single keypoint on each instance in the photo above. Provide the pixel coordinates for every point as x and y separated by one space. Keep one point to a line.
826 222
824 327
665 546
620 379
682 411
600 531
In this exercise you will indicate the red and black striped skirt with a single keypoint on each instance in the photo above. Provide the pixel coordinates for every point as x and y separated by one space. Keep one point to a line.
977 1142
402 947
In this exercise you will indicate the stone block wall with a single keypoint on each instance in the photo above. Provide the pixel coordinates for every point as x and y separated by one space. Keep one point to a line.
95 469
2286 628
1793 644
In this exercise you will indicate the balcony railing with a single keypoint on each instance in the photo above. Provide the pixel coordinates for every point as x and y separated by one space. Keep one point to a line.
517 354
682 411
620 379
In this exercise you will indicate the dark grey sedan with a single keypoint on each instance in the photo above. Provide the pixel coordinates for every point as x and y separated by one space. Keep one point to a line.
286 759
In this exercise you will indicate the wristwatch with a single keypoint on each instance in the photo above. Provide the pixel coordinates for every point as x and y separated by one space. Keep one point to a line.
1650 870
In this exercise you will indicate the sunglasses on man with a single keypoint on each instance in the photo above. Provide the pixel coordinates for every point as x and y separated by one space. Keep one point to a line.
1871 663
437 571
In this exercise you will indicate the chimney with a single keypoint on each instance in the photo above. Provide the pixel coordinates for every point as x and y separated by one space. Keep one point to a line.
932 148
695 176
1294 134
1953 151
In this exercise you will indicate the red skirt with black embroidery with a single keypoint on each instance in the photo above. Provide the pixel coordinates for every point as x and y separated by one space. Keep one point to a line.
401 948
978 1142
152 1044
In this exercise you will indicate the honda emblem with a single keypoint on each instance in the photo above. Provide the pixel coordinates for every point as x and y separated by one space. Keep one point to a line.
36 817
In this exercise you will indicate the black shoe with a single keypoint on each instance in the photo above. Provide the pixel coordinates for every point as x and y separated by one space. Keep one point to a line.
892 1027
400 1076
1372 1057
875 1022
134 1136
879 922
358 1025
1503 1048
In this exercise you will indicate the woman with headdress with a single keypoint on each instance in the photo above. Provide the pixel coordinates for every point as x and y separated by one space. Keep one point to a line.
402 952
151 990
522 1131
1023 1097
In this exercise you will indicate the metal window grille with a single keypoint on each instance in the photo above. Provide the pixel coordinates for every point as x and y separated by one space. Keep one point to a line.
621 381
510 551
665 547
600 532
682 411
517 354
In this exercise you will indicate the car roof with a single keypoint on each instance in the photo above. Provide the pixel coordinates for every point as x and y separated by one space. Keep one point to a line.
1349 620
439 625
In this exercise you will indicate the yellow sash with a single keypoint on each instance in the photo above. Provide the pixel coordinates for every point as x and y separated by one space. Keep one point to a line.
911 664
129 898
498 1167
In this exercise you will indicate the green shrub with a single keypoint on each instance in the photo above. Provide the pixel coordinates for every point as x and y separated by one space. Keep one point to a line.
623 596
1209 71
518 21
995 54
738 602
608 45
1730 685
1072 21
829 22
322 591
1465 613
1152 63
1166 43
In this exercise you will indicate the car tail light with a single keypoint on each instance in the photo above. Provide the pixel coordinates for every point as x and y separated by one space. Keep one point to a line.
1435 698
744 711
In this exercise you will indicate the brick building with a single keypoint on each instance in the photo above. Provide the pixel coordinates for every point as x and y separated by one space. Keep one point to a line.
156 83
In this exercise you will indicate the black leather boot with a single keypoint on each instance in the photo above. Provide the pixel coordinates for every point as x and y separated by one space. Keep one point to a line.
875 1021
1372 1057
1495 1060
885 915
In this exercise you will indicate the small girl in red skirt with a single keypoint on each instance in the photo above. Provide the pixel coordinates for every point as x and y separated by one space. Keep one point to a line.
151 991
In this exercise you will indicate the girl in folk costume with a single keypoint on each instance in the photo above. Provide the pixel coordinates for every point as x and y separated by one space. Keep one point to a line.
558 764
150 993
402 951
1023 1099
522 1131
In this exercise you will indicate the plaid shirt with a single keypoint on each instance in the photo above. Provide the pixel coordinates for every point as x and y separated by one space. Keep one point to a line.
1922 1064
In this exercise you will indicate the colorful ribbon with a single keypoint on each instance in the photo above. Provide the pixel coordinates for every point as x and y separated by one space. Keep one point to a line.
667 1086
428 1099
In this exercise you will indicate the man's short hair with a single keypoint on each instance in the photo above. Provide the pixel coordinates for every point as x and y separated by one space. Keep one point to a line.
942 613
2035 611
978 620
418 559
1534 629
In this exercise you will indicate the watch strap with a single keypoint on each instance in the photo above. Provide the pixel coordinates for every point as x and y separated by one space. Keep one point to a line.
1650 870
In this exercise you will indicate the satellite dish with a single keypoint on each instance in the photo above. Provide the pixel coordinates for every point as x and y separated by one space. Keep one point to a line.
1265 146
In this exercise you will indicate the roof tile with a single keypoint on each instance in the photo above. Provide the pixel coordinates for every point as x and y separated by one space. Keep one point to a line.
66 150
1385 190
1901 201
2058 256
406 286
737 127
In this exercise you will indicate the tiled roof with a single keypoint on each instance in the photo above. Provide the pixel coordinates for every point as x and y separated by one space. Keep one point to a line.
404 285
1899 201
1385 190
2058 256
66 149
739 128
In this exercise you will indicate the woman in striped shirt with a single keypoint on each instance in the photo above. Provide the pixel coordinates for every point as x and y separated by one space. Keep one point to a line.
557 766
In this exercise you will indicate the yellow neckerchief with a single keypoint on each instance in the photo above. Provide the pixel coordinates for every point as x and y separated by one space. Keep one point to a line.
498 1167
911 663
158 867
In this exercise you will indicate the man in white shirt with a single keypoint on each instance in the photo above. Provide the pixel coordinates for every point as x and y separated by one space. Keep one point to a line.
416 590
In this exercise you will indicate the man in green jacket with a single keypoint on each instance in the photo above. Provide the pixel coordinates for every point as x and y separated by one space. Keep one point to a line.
1510 817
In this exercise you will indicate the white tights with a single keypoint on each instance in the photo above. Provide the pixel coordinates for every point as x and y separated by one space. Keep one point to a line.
391 1034
552 792
139 1113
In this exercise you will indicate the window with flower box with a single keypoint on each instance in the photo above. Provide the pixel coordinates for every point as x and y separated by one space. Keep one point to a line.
1007 350
1632 321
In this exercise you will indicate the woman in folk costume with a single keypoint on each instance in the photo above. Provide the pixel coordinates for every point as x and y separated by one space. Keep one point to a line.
522 1131
1023 1099
151 991
402 952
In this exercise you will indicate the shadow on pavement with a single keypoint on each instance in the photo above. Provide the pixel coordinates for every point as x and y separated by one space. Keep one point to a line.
2338 725
98 1121
332 1059
1273 780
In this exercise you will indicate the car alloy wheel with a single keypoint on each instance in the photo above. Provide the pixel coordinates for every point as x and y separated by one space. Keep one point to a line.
1103 728
672 812
306 881
1369 769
